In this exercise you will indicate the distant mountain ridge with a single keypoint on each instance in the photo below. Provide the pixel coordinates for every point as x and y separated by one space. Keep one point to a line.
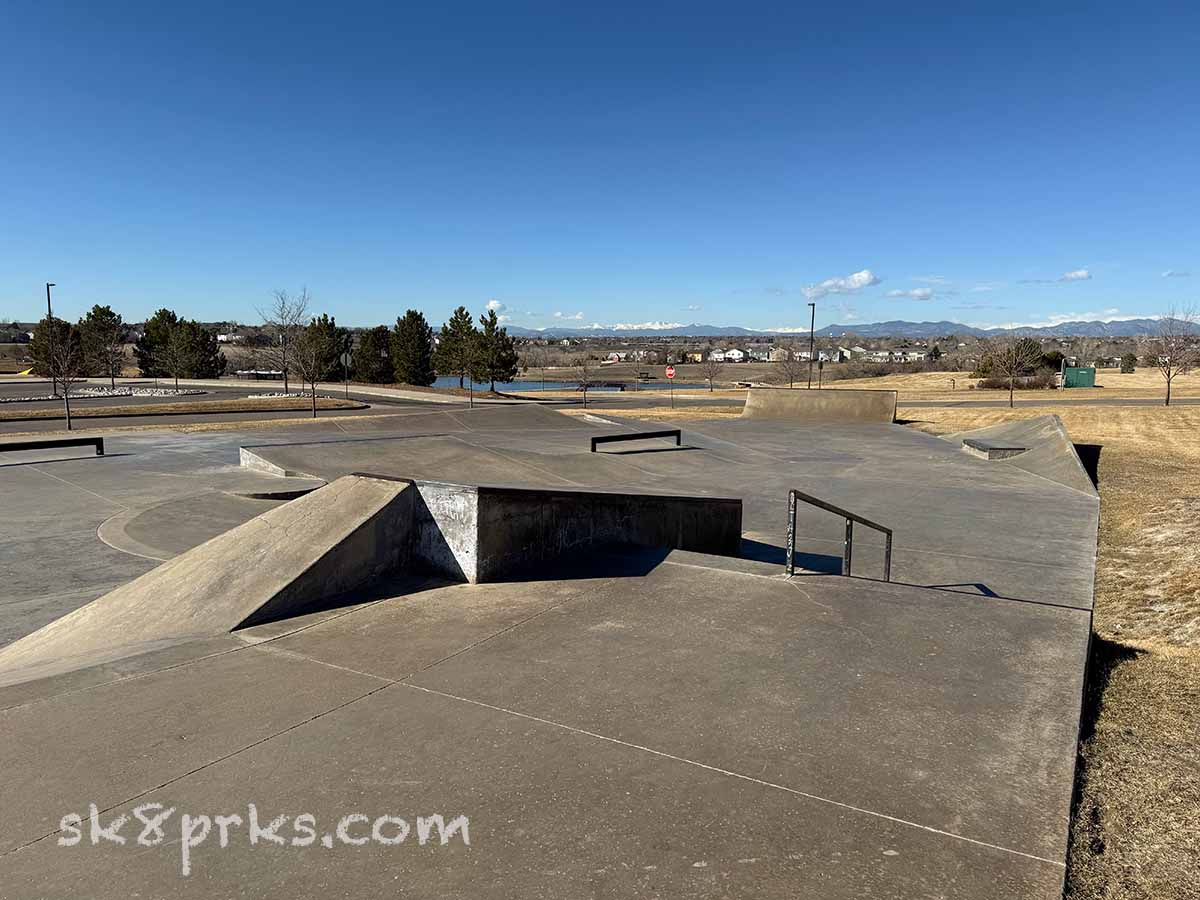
897 328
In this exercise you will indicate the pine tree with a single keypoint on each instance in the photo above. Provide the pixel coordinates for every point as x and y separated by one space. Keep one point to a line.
102 335
412 349
333 342
373 358
155 336
205 360
456 345
48 333
496 357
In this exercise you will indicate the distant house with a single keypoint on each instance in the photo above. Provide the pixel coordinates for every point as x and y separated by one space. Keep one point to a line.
693 357
777 354
735 355
230 338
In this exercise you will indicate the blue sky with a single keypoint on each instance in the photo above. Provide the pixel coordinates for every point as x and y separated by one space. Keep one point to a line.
609 163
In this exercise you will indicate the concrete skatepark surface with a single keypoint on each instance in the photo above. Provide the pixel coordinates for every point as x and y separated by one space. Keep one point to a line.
659 723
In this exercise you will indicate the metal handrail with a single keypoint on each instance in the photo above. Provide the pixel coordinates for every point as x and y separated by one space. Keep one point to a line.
848 546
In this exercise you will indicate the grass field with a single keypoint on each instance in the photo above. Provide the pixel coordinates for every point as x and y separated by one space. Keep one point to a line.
1136 832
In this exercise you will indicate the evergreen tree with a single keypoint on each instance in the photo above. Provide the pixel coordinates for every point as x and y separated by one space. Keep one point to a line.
412 350
155 336
333 342
47 334
102 337
205 360
456 346
373 358
496 356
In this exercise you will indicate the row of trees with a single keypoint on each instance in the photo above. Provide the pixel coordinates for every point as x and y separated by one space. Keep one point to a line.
171 347
93 346
312 347
1174 351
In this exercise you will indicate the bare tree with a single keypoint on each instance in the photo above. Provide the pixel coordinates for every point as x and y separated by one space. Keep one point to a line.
1175 349
66 364
110 349
583 374
283 321
791 366
535 357
177 354
710 369
1011 357
1086 351
309 352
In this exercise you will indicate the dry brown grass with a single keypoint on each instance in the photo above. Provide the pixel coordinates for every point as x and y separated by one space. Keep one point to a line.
1135 833
194 407
1143 384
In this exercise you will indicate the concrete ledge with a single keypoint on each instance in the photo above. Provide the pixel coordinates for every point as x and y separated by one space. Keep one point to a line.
1050 454
482 533
830 405
991 449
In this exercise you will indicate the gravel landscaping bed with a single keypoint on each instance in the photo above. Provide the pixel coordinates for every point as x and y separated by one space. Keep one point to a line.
136 392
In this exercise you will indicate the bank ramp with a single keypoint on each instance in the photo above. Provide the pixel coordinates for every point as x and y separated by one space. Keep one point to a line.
322 544
805 405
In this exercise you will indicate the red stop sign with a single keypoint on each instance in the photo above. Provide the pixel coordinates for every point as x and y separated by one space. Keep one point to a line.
670 371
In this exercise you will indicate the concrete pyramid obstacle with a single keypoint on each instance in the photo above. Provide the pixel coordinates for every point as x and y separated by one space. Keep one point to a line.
347 534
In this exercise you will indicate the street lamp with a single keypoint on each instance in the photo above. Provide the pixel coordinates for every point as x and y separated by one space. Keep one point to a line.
50 338
812 335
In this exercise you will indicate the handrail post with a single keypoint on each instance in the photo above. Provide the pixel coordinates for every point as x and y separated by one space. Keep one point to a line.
848 553
887 557
791 534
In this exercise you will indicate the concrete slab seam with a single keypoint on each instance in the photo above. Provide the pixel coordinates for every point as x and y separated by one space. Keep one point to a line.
208 764
769 784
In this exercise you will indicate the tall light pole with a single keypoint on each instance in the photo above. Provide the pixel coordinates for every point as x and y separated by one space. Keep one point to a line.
50 338
812 340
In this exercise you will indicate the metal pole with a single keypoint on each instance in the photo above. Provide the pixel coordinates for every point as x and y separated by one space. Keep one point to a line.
849 551
791 534
887 557
346 376
50 338
812 339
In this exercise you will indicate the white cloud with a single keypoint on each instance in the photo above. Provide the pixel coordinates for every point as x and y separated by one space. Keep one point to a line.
1073 275
495 305
578 317
914 294
985 286
851 284
1176 273
693 307
932 279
